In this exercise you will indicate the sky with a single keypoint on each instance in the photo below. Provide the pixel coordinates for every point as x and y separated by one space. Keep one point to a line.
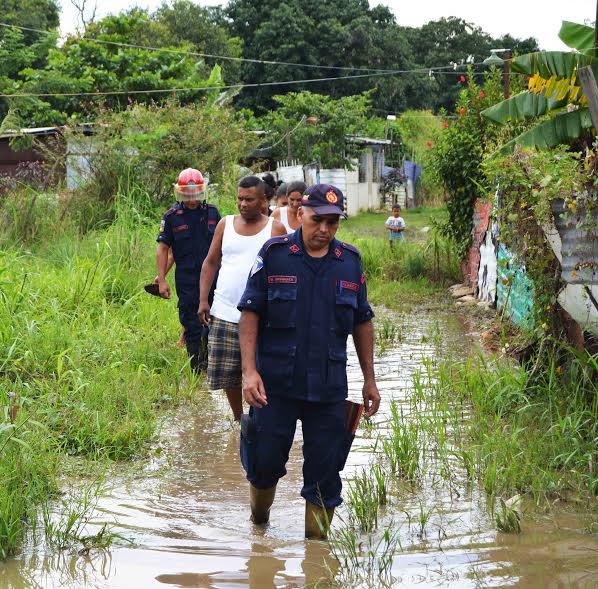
521 18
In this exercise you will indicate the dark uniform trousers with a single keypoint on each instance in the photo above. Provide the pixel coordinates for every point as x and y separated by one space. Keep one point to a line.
189 232
307 308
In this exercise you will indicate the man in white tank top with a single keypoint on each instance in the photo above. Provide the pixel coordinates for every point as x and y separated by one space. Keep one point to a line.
236 243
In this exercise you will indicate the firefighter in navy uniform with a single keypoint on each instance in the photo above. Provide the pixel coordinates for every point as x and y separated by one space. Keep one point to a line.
188 227
305 294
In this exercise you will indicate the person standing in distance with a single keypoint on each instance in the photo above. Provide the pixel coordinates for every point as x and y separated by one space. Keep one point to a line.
306 293
187 227
237 240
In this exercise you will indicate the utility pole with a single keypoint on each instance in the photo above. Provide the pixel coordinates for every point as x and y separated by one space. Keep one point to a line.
507 81
596 33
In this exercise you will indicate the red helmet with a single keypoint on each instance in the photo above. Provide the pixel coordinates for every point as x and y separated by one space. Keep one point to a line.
190 185
189 177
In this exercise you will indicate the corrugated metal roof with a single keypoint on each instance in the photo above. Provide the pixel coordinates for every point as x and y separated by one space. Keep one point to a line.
29 131
579 246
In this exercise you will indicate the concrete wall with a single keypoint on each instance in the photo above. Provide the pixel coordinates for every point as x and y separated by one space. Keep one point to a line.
360 196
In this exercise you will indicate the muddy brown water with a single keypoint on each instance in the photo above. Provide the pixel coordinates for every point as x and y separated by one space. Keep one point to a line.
185 516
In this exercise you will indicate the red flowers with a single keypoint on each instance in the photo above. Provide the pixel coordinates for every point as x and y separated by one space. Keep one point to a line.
482 95
429 143
462 110
444 125
462 80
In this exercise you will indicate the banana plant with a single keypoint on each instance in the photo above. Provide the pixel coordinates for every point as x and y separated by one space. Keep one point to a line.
553 89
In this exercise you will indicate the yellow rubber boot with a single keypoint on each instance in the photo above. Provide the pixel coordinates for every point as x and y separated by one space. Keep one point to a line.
317 521
260 501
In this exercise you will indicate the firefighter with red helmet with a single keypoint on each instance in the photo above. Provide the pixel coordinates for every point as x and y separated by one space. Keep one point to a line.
187 227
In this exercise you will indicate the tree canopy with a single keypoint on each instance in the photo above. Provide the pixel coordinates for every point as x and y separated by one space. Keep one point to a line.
344 39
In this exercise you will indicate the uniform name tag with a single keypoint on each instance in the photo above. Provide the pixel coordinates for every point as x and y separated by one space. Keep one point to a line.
346 285
282 280
180 228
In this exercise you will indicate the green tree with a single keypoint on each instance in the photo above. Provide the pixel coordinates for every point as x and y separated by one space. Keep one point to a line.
344 33
323 137
206 30
453 40
21 49
87 64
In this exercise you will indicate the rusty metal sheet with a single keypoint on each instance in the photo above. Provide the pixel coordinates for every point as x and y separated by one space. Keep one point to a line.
579 247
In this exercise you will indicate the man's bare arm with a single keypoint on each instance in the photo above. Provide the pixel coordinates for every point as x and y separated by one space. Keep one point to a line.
210 266
254 392
363 337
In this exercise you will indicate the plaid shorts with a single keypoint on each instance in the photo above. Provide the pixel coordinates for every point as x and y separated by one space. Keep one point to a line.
224 355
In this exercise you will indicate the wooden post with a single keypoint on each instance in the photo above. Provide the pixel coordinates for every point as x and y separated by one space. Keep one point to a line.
590 89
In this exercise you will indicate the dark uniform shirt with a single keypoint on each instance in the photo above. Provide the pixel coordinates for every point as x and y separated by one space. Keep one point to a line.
190 233
307 308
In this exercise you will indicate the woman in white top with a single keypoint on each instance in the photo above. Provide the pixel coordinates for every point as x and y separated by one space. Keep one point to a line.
288 215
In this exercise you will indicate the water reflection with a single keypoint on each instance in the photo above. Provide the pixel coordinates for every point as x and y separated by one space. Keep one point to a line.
186 512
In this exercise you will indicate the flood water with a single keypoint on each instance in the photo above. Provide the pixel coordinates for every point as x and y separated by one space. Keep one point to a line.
185 517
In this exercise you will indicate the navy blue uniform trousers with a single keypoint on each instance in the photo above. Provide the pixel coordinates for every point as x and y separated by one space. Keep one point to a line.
188 294
265 446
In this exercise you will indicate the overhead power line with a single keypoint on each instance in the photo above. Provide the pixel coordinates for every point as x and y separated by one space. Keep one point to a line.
243 59
203 88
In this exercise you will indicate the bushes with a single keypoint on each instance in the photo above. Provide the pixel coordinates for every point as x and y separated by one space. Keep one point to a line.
90 357
147 147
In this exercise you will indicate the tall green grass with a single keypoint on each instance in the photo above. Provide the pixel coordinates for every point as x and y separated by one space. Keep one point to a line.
89 355
532 431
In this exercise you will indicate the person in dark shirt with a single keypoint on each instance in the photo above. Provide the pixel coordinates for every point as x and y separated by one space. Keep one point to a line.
305 294
187 227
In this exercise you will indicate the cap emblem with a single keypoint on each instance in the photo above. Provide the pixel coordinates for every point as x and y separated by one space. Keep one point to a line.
331 197
305 198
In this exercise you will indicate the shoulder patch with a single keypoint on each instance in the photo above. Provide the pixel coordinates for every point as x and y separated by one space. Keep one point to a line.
279 240
171 211
351 248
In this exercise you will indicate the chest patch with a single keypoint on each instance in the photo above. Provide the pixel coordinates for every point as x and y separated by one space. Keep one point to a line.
180 212
346 285
277 279
180 228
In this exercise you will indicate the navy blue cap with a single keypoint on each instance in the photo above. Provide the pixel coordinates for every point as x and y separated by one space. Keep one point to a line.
327 199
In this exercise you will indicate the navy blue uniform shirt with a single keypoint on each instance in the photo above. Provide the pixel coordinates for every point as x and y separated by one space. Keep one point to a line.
190 233
307 308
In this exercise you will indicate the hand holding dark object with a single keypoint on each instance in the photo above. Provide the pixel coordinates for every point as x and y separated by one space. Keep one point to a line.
164 289
204 313
254 392
371 398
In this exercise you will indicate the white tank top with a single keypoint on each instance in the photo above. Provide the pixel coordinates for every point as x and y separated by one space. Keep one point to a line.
238 255
284 219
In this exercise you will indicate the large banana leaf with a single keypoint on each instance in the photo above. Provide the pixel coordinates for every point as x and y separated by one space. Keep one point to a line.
563 128
580 37
522 106
560 64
